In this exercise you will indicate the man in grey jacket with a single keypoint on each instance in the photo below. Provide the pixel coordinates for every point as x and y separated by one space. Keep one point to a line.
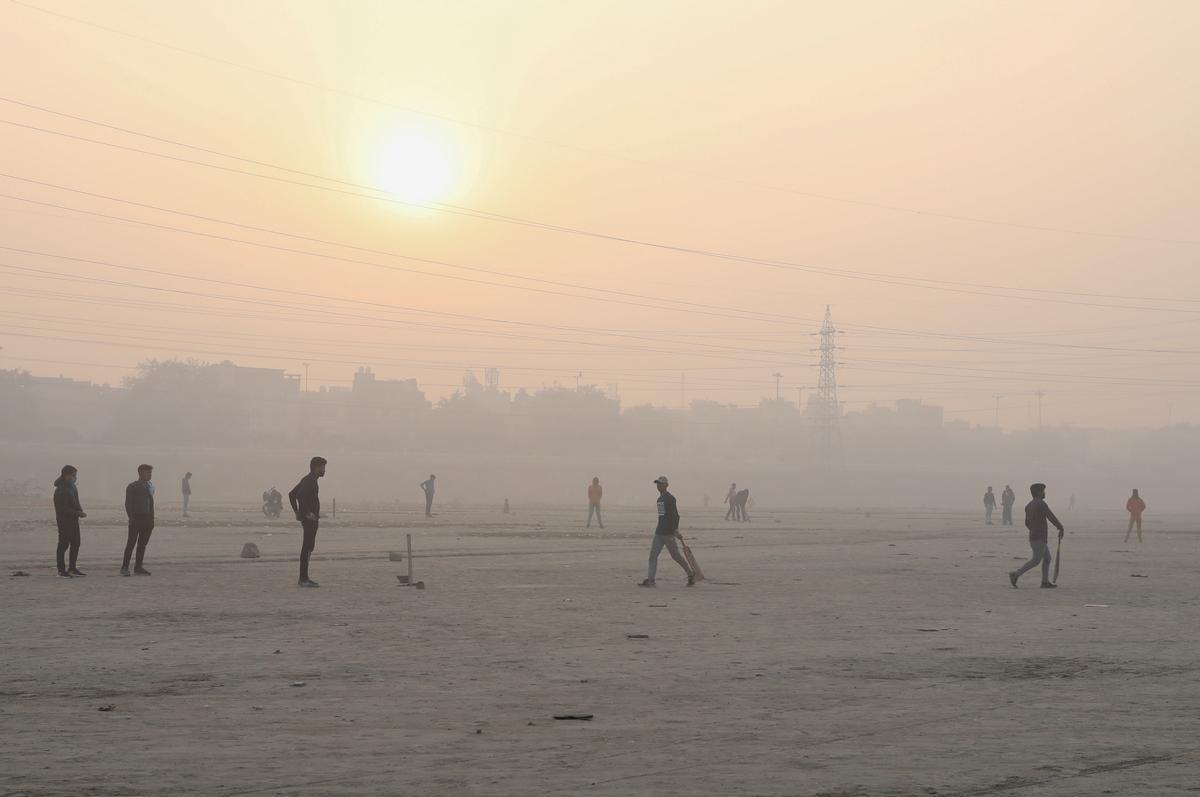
666 535
139 508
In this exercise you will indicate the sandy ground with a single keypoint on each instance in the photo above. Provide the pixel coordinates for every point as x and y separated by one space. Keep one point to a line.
841 655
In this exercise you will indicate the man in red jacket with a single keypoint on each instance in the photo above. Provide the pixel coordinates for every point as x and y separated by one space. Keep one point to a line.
1135 506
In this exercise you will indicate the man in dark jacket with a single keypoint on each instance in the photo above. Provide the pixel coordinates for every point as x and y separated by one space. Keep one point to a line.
67 512
306 503
139 508
666 535
1037 519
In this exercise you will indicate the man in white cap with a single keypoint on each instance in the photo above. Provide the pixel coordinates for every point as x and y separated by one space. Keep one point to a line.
666 534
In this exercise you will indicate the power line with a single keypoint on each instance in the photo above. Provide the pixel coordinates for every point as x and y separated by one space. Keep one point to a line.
358 97
951 286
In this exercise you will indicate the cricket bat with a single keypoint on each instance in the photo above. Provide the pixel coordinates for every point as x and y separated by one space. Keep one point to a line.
691 560
1057 561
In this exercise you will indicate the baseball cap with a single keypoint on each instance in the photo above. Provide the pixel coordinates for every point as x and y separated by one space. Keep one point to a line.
661 480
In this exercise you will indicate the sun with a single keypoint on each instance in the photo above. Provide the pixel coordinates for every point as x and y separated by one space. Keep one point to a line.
414 167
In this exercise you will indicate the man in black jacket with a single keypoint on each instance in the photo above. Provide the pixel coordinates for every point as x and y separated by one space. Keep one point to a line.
306 503
139 508
67 512
666 534
1037 519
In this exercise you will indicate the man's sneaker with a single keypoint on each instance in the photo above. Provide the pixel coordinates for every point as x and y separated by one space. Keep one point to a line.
1012 579
307 582
646 583
141 571
76 572
1048 585
64 574
124 571
691 581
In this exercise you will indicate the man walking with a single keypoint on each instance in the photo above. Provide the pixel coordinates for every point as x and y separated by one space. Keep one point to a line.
1007 499
1135 506
306 504
1037 518
428 487
731 499
139 508
187 491
666 535
989 505
595 493
67 513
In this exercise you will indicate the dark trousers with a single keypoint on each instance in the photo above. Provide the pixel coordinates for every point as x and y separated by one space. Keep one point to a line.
428 504
68 538
308 546
1006 518
594 509
139 535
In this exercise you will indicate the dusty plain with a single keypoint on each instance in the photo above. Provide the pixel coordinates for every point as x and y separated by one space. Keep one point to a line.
842 653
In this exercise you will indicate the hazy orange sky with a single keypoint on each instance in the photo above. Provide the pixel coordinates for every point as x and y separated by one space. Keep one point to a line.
920 166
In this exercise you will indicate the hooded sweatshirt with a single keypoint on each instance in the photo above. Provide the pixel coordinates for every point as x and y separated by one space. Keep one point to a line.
66 503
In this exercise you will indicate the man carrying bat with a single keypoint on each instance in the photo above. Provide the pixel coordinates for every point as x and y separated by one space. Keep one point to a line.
1037 519
666 535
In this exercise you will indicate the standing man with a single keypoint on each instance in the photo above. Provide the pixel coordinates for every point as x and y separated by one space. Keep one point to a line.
741 500
1135 506
595 493
139 508
731 499
1037 518
306 503
666 534
989 505
67 512
1007 499
428 486
187 491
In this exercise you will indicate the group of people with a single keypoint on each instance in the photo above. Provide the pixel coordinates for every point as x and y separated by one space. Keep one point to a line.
737 500
1135 506
139 508
1007 499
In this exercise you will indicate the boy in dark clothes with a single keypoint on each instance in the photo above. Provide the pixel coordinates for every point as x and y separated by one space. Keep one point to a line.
67 512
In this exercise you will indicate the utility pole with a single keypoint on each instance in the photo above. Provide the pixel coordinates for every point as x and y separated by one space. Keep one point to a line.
800 399
1039 394
683 390
778 376
827 407
305 377
996 409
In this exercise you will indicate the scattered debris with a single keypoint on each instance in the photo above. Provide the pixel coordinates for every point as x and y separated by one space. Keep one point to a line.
250 551
1095 605
299 683
17 573
658 605
277 650
420 585
403 580
395 556
584 717
637 636
1137 575
478 731
107 707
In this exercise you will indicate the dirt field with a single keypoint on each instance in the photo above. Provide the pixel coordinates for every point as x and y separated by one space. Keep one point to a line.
841 655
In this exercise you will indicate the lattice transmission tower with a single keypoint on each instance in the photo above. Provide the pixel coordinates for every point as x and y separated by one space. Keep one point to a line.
828 410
